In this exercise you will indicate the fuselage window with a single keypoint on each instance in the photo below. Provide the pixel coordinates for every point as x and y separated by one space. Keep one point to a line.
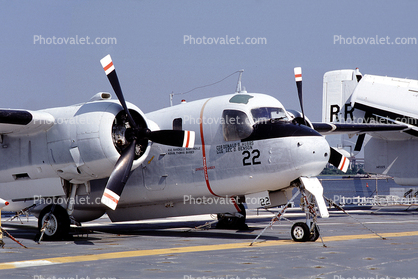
178 124
265 114
236 125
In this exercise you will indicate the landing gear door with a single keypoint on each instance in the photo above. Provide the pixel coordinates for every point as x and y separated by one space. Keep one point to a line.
313 186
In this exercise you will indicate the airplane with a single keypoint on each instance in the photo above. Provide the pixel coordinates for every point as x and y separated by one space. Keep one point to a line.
350 97
73 164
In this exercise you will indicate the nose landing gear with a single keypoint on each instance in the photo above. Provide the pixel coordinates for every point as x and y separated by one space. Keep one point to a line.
301 232
311 191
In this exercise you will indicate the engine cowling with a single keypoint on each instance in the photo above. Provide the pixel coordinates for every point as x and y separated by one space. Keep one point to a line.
87 140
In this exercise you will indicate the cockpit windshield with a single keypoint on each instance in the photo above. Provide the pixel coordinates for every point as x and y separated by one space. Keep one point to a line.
265 114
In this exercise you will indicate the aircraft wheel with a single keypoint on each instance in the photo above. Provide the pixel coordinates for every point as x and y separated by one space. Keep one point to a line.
315 235
58 222
300 232
232 223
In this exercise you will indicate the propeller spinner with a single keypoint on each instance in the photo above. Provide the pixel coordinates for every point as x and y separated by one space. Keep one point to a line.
134 134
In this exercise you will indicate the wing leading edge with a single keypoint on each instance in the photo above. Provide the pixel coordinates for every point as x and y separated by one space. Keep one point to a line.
338 128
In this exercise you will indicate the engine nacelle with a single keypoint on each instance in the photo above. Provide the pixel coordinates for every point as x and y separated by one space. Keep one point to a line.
88 139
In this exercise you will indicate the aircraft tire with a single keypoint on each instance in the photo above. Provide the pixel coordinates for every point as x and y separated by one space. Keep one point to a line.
300 232
315 235
58 225
233 223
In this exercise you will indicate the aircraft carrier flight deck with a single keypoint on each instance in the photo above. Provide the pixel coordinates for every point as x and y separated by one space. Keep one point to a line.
368 243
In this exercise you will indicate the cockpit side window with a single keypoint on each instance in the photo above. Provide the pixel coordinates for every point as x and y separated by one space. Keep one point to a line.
264 114
235 125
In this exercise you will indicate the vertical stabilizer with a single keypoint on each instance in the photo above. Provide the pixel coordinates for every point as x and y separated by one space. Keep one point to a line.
337 89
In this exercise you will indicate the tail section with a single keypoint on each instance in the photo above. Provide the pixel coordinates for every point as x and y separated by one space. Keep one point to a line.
338 87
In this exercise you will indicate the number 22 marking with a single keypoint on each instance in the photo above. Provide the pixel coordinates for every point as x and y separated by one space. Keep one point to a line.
247 156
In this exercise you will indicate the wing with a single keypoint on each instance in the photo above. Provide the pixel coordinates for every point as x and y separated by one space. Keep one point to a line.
336 128
24 122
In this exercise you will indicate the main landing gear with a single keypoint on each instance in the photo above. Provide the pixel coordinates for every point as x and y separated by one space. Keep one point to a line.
233 221
53 223
54 220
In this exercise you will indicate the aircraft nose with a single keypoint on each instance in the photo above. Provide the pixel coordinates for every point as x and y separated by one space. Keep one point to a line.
311 154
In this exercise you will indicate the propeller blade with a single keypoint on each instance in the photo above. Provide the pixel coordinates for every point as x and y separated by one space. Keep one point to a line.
359 142
173 137
338 160
360 138
119 176
298 79
110 71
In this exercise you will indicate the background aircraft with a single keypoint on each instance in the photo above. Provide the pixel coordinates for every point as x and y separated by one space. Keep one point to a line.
217 155
349 97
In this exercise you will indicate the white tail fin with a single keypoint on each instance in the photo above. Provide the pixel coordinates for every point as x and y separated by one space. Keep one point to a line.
336 104
337 90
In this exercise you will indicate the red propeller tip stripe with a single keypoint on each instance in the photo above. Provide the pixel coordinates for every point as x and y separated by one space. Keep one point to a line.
298 73
189 139
107 64
110 199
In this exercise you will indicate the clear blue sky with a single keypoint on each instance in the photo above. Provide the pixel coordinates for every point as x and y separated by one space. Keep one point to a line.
152 60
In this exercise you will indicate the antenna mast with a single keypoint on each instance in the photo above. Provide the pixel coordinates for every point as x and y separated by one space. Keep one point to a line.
239 89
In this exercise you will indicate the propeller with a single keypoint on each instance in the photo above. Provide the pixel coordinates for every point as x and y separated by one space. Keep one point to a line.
134 134
360 138
359 142
336 158
298 79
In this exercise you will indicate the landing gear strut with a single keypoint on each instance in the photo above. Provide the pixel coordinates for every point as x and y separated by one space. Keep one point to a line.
306 231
